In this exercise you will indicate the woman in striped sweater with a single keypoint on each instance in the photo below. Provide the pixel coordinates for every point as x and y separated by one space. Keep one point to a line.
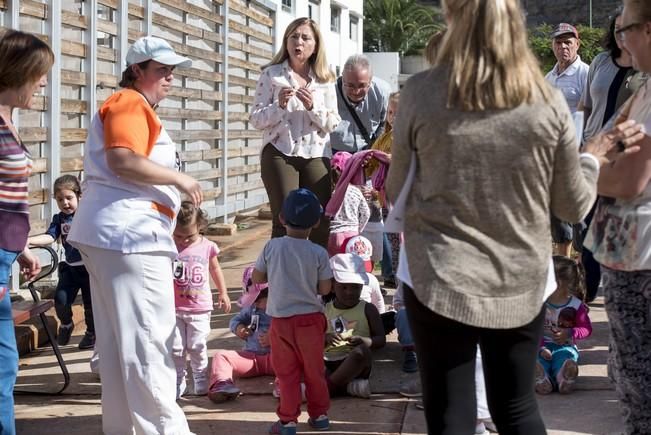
26 61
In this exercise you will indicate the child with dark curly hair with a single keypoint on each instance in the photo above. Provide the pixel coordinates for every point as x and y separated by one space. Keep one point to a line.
566 320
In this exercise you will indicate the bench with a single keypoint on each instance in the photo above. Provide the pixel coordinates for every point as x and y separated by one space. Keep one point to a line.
25 310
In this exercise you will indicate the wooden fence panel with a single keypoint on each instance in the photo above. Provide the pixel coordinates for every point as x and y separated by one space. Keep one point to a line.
206 112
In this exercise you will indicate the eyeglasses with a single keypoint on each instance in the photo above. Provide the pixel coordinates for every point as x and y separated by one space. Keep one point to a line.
359 87
621 32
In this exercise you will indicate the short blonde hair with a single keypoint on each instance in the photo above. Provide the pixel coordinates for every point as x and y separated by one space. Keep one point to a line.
486 49
317 61
25 59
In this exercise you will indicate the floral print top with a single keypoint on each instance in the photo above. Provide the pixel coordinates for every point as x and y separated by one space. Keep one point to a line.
295 131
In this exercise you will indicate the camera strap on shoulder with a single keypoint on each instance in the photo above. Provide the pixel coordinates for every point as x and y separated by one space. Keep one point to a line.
353 113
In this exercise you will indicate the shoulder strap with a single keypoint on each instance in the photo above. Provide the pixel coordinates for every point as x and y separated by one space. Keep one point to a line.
353 113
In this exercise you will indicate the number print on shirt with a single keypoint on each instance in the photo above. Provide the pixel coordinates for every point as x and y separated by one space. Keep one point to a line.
189 278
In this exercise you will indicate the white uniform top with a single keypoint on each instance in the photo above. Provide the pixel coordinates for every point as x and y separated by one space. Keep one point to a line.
115 213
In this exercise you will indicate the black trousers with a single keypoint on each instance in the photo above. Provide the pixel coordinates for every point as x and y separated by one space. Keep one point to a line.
446 358
71 280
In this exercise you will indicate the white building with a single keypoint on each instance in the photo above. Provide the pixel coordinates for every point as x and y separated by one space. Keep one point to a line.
340 23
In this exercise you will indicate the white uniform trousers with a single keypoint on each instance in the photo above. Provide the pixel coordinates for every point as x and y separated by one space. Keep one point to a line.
133 305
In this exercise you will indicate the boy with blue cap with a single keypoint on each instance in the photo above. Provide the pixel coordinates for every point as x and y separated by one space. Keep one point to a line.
297 270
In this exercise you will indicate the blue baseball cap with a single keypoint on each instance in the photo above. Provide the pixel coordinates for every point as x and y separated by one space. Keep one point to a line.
157 49
302 208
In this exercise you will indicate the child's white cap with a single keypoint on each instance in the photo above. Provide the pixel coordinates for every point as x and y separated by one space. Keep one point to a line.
349 269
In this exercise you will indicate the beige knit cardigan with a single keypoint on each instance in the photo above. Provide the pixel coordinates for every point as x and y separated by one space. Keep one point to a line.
477 217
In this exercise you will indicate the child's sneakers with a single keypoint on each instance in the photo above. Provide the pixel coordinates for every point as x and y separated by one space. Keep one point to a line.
410 362
543 383
276 391
567 376
65 332
223 391
87 341
283 429
320 423
359 388
201 383
412 389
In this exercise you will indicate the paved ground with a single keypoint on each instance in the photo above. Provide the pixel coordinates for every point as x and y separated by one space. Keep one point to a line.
592 409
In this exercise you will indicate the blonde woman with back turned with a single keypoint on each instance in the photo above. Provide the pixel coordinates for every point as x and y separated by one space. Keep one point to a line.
496 152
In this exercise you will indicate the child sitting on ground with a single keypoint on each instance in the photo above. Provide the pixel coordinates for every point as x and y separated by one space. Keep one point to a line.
195 264
566 320
352 216
72 272
296 269
251 324
354 328
371 291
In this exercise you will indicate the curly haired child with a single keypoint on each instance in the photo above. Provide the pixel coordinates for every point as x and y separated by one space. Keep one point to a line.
566 320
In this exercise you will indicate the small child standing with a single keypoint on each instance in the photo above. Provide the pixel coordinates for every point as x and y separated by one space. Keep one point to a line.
354 328
251 324
566 320
197 259
352 216
72 272
391 241
296 270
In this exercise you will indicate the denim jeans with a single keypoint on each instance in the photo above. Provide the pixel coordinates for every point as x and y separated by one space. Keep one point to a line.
71 280
387 268
404 331
8 352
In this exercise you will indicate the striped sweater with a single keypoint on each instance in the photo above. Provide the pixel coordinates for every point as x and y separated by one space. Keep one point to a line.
15 168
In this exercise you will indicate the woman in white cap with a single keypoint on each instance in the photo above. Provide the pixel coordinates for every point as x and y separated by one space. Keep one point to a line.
123 229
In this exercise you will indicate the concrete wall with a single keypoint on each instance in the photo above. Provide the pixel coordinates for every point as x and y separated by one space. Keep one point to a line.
571 11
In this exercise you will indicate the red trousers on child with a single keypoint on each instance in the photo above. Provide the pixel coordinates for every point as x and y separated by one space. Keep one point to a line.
297 354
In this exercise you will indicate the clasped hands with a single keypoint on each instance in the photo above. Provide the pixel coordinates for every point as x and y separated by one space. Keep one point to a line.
303 94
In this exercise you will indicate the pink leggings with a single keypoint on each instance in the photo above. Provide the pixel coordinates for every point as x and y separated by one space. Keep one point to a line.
242 363
336 241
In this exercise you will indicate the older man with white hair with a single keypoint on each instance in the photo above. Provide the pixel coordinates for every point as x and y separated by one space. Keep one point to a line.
362 101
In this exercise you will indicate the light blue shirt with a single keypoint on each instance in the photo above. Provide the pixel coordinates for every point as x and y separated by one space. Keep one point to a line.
294 268
571 82
252 343
372 112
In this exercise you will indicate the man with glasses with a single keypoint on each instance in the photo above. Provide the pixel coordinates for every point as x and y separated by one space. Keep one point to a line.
362 103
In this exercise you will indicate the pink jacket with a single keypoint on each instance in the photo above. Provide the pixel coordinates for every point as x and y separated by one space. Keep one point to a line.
353 173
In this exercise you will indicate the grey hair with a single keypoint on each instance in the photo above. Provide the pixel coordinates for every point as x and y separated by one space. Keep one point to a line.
358 61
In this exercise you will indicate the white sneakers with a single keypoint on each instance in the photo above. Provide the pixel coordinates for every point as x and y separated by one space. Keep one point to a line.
359 388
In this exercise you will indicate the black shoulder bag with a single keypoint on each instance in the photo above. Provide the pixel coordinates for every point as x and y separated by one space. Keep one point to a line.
369 140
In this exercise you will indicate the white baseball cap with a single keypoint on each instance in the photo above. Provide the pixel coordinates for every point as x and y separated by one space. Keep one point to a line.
156 49
349 269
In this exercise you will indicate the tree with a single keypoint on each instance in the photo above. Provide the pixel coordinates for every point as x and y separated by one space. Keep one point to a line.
399 25
541 44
